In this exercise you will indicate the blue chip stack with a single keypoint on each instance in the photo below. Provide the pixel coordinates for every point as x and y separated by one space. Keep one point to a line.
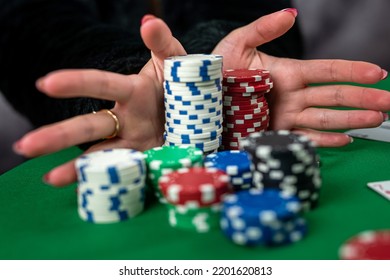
111 185
269 217
236 164
193 101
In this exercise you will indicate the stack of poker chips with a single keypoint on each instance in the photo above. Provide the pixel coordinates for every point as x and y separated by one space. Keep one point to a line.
245 108
163 160
286 161
111 185
237 164
194 197
193 101
367 245
262 217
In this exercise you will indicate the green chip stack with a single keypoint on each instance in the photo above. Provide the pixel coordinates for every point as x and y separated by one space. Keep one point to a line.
163 160
197 219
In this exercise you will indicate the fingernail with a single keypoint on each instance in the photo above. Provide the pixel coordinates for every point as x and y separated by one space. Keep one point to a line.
385 116
292 11
17 147
384 74
40 83
350 139
46 178
145 18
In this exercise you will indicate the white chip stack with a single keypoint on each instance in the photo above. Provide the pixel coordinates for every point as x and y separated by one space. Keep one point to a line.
193 101
111 185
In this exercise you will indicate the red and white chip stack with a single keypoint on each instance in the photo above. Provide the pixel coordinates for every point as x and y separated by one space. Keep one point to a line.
245 108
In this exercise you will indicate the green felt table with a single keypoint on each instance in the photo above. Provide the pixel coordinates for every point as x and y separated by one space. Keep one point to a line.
41 222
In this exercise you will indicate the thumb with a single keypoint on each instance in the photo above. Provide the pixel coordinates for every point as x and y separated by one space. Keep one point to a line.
158 38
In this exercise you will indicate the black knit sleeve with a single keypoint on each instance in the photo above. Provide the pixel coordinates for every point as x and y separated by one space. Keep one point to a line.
204 23
38 36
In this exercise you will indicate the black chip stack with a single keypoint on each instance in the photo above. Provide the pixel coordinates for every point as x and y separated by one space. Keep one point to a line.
286 161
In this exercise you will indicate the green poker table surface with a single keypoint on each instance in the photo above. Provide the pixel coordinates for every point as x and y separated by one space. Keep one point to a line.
39 222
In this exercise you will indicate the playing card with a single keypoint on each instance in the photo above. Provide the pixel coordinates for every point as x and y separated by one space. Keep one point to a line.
382 187
380 133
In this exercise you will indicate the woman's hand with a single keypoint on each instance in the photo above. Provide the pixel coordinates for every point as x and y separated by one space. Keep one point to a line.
138 98
293 104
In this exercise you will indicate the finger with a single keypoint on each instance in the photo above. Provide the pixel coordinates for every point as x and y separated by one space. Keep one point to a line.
324 71
65 174
328 119
87 83
347 96
55 137
265 29
325 139
158 38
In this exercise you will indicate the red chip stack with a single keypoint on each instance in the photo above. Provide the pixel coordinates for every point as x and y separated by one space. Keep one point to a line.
245 108
194 197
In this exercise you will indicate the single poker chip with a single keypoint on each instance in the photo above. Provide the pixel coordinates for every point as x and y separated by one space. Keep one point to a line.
243 116
214 100
177 72
182 121
264 205
231 162
243 102
196 186
203 97
257 122
192 92
199 143
193 85
243 95
174 138
192 79
188 135
245 112
193 126
201 106
205 147
248 99
193 69
185 112
248 89
245 75
172 157
247 107
193 115
193 60
250 84
367 245
248 124
195 131
101 160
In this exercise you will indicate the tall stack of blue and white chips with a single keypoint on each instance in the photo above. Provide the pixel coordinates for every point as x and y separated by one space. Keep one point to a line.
111 185
193 101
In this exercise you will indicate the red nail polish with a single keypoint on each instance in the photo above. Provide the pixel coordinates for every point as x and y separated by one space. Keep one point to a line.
384 74
385 116
292 11
145 18
17 148
46 178
39 83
